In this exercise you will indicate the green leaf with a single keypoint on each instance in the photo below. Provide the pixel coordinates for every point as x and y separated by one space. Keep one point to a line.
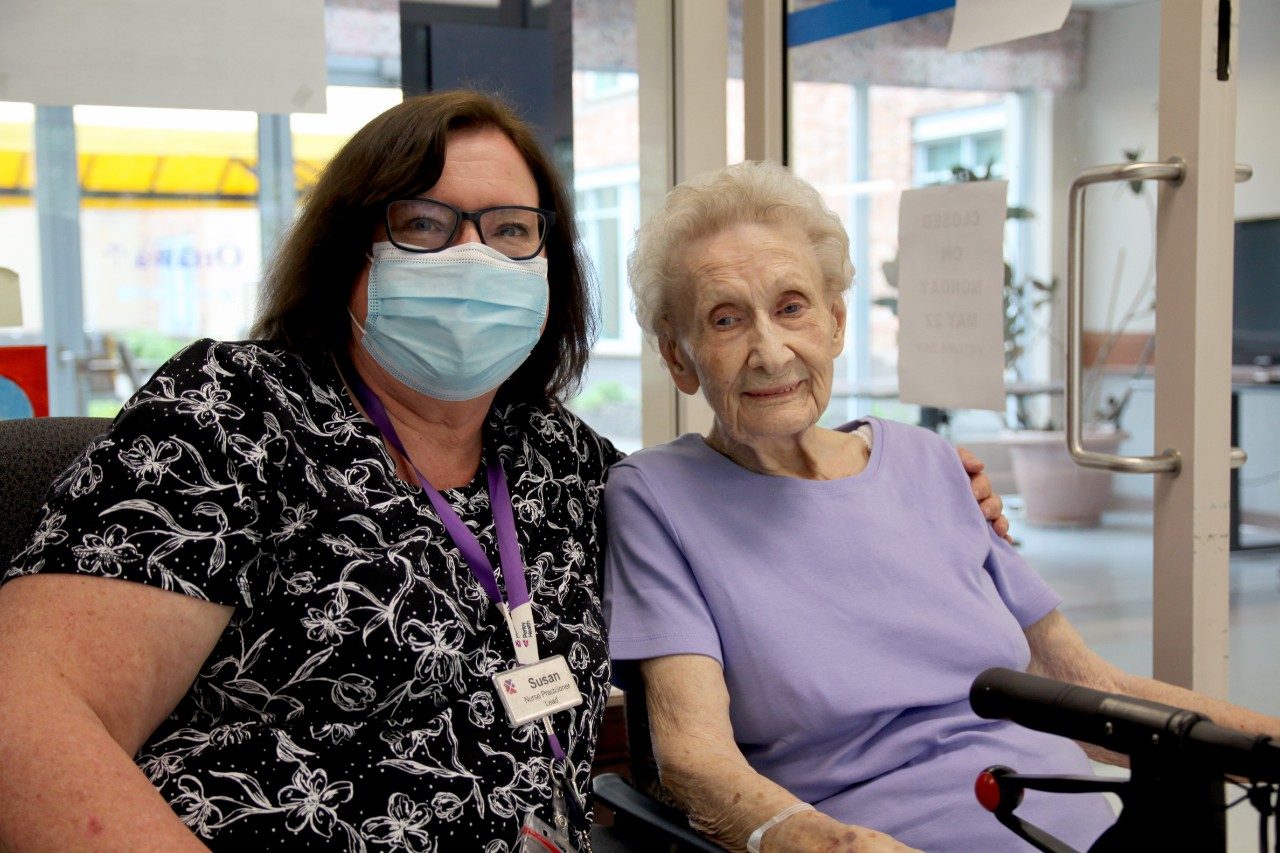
890 270
1132 155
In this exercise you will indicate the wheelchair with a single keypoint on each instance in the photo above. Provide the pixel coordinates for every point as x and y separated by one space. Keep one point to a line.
1174 798
1179 761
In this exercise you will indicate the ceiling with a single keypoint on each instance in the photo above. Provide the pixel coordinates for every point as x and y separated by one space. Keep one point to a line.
1096 5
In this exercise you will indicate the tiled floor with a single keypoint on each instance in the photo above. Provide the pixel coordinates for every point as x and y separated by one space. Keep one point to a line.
1104 575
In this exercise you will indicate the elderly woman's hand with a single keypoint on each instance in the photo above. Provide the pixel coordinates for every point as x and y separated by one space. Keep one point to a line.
992 505
815 831
703 768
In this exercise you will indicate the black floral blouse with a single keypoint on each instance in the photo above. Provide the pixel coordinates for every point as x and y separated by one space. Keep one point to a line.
348 705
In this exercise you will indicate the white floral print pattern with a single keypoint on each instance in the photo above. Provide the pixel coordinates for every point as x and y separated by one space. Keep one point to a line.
349 704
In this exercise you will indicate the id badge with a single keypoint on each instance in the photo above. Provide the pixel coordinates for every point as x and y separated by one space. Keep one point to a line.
531 692
537 837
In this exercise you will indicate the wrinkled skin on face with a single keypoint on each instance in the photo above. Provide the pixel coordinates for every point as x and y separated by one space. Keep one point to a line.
755 329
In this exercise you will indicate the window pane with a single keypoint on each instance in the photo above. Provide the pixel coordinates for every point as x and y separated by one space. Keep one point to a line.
169 237
19 240
599 218
606 172
941 156
989 149
317 137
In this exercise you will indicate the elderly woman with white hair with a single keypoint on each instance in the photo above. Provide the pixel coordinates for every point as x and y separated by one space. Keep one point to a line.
808 606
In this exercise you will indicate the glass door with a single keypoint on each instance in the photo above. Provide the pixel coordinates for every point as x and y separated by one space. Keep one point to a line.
1151 584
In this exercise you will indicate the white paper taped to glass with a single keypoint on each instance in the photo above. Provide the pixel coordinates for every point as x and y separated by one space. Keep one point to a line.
979 23
951 295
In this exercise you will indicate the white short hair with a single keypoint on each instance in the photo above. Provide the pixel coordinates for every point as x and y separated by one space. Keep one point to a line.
749 192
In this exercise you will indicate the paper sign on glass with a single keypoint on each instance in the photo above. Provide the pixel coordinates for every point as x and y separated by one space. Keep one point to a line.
979 23
951 297
10 298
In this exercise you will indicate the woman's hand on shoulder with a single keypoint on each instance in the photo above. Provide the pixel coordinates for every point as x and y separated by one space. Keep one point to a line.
990 502
815 832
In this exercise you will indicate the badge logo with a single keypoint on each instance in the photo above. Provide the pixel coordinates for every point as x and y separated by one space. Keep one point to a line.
509 686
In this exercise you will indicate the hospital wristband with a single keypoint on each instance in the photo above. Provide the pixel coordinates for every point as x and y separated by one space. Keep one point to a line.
753 841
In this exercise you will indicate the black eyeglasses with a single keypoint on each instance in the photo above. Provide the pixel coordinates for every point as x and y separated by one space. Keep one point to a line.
427 225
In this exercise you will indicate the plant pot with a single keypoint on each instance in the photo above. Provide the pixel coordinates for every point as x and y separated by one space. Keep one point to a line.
1055 491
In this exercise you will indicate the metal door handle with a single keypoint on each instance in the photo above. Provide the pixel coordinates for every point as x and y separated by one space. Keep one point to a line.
1170 461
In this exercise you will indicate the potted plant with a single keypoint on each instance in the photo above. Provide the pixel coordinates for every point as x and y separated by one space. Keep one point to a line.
1054 489
1056 492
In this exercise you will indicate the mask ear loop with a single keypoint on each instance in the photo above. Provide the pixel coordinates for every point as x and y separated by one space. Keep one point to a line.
356 324
354 321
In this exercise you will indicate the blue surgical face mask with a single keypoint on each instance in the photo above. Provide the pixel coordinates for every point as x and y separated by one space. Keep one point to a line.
453 324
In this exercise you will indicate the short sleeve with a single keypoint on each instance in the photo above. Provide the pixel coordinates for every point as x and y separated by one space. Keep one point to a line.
168 496
1027 595
653 603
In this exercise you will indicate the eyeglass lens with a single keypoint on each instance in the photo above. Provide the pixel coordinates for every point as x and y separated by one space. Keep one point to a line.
422 224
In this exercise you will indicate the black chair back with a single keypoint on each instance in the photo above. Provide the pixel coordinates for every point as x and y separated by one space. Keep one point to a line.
33 452
641 763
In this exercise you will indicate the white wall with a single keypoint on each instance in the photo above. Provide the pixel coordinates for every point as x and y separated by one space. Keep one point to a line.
1258 125
1118 109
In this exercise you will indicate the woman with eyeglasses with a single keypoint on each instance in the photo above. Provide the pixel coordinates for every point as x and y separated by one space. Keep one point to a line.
365 547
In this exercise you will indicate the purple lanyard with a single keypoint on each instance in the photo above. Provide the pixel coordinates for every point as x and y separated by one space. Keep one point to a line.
504 519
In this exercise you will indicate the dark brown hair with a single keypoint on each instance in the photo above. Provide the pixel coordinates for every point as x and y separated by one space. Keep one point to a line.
401 154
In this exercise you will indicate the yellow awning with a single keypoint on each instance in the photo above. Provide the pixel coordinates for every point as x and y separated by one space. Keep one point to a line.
145 167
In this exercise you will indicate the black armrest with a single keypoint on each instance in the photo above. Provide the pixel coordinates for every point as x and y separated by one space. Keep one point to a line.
659 819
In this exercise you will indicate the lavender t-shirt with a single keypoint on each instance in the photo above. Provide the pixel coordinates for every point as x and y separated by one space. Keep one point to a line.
850 617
